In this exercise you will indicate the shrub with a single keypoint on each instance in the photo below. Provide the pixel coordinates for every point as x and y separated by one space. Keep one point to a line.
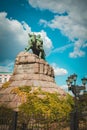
6 84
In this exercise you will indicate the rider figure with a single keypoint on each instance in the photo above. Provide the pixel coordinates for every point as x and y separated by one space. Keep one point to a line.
35 43
39 43
31 41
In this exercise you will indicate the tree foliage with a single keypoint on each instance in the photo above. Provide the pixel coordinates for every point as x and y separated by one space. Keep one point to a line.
47 103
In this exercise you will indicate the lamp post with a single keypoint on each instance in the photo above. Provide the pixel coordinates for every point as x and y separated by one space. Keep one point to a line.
76 89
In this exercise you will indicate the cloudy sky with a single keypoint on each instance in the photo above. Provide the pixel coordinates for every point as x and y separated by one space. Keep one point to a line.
62 25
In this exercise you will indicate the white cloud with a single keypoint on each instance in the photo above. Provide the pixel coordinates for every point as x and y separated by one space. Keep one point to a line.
76 8
7 66
65 87
13 29
72 31
63 48
4 69
14 37
59 71
73 25
53 5
77 52
67 26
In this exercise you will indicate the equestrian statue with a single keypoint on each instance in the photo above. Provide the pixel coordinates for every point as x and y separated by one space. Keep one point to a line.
35 43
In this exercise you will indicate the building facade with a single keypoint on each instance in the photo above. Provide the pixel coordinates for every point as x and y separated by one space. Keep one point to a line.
4 77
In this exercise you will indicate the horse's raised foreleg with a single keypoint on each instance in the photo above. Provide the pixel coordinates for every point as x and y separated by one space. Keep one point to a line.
27 48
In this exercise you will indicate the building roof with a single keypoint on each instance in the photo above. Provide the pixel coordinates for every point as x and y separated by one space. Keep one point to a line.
5 72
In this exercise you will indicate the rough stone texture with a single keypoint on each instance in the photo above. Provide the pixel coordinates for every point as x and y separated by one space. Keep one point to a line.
29 70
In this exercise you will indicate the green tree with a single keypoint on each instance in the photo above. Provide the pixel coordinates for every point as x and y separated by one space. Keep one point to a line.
47 103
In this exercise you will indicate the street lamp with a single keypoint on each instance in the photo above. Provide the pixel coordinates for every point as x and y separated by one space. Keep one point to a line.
76 89
72 86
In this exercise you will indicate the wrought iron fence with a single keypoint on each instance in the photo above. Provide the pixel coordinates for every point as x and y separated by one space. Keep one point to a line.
19 121
8 120
78 121
83 121
42 122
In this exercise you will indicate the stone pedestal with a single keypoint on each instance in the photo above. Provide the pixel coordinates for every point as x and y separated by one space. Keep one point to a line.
31 71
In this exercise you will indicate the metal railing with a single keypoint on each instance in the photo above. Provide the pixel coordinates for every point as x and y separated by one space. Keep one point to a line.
19 121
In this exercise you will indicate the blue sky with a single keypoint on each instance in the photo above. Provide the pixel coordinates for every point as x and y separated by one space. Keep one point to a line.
62 25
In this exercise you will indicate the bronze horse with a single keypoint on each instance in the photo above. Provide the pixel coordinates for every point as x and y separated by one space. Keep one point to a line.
35 43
